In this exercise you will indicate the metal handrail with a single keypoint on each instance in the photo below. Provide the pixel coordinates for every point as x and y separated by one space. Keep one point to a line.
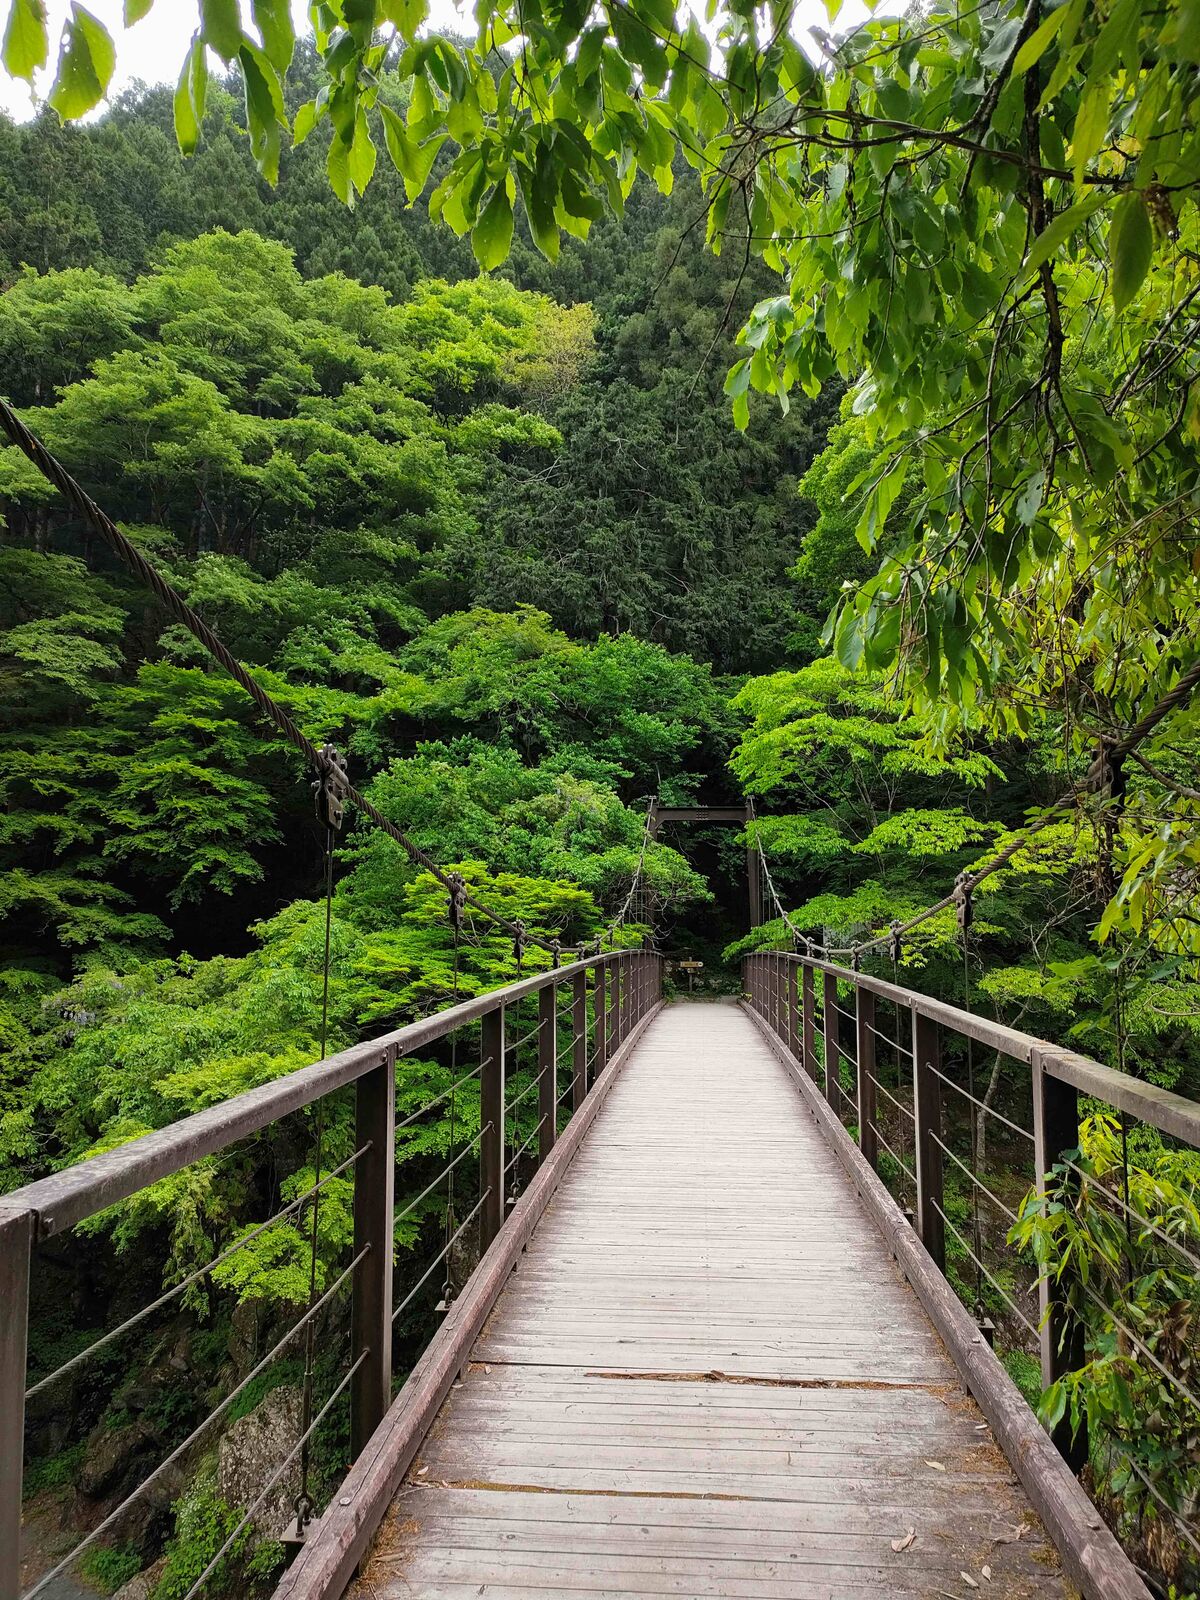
76 1193
626 988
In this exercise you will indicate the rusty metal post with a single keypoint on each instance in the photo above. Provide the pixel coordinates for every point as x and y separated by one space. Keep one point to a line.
16 1246
371 1304
579 1040
491 1122
833 1080
927 1109
547 1095
808 1058
600 1018
864 1013
1056 1130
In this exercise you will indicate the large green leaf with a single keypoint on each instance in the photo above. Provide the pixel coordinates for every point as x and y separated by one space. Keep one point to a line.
1131 248
492 234
26 45
85 65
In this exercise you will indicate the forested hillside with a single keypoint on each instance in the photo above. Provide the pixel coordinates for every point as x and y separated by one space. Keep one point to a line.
883 517
493 537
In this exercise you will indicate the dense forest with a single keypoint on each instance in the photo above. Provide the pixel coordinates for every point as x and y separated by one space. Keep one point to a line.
496 536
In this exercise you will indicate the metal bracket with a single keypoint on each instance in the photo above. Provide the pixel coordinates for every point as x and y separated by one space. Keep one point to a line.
331 787
458 898
964 909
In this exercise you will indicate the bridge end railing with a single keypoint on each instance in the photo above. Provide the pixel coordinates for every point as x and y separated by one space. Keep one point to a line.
529 1084
925 1090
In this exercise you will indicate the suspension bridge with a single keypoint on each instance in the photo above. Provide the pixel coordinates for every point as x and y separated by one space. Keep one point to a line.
701 1346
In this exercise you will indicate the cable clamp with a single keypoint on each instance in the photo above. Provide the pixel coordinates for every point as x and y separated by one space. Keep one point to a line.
331 787
555 952
896 947
519 942
457 886
855 958
965 909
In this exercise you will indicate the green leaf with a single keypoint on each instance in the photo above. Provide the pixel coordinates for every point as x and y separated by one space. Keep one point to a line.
412 160
26 43
407 15
1091 126
264 106
492 234
85 65
135 10
360 161
273 19
1040 40
1130 248
221 25
1061 229
190 95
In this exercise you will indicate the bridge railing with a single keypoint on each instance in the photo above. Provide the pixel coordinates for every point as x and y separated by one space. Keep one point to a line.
918 1084
523 1064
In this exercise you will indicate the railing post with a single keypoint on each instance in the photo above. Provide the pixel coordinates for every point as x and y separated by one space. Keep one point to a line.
833 1078
491 1123
864 1051
547 1095
371 1302
927 1110
579 1039
16 1246
614 1006
1055 1130
808 1057
600 1018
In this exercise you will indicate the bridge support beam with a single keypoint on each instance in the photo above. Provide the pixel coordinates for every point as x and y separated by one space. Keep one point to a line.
599 1022
371 1307
16 1244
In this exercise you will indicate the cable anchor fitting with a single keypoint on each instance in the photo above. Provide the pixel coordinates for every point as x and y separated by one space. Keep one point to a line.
331 787
894 934
555 952
856 958
964 907
456 885
519 942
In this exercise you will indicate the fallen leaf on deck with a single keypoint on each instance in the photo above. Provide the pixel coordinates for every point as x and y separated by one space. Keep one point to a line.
986 1572
971 1583
903 1544
936 1465
421 1471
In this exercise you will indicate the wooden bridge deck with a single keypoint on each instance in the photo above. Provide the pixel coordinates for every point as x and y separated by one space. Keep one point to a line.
708 1377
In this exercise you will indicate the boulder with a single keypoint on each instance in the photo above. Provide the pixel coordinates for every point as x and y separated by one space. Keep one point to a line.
109 1458
252 1449
143 1585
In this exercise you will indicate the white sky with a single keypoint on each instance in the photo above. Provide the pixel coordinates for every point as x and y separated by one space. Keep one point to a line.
154 48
